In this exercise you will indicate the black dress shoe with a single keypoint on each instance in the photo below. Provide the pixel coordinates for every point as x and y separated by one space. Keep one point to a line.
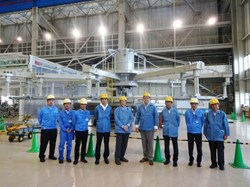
106 161
42 159
175 164
212 166
96 162
166 162
69 160
60 161
143 160
84 160
118 162
75 162
52 158
190 163
151 162
124 159
222 168
199 164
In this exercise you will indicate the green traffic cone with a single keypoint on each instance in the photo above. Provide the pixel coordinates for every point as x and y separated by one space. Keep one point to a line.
233 116
157 156
243 119
238 158
2 123
35 146
91 150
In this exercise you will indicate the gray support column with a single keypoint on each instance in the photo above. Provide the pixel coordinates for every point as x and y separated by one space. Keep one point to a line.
47 89
63 90
52 88
40 87
21 102
172 89
28 87
34 31
183 85
225 84
121 20
238 53
98 88
7 85
89 87
196 83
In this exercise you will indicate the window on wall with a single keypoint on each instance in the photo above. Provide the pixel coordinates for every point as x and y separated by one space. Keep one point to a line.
247 100
246 62
246 17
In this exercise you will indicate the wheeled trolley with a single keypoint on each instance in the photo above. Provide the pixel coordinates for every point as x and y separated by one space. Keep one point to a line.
19 131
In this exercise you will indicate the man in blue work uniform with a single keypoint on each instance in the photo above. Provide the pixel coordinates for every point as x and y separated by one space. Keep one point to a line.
123 122
47 118
194 120
146 123
170 121
80 122
66 130
216 130
102 115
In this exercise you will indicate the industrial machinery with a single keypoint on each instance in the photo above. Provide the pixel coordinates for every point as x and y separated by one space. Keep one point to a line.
121 71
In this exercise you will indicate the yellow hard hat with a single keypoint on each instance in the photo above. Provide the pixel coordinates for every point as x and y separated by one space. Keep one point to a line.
104 96
50 97
194 100
122 98
168 99
67 100
213 101
83 101
146 94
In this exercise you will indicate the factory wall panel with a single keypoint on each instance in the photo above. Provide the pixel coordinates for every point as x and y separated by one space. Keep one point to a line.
88 25
162 18
10 32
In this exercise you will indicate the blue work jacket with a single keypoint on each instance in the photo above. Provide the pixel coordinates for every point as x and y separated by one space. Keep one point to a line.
65 120
81 120
147 117
47 117
170 121
103 118
216 126
123 116
194 121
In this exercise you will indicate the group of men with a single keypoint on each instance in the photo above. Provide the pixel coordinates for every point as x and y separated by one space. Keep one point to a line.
75 124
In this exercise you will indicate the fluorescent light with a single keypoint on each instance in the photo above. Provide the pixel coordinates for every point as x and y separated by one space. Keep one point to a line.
177 24
47 36
102 30
76 33
19 38
212 21
140 28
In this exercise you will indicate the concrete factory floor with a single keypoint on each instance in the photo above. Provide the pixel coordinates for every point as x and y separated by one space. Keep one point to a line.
20 168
